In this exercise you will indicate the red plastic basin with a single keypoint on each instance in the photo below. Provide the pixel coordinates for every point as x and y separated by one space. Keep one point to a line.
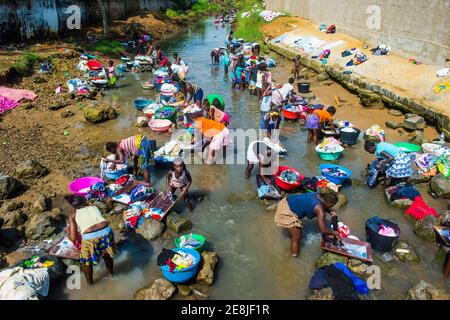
284 185
290 115
94 65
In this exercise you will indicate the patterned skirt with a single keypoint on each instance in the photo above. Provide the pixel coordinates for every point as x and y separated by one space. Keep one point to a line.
400 167
285 218
312 121
93 248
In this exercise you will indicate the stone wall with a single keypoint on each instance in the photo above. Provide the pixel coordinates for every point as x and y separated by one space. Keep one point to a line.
27 19
414 28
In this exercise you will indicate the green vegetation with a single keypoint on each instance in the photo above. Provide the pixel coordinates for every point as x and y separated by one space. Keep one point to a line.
25 65
202 7
107 47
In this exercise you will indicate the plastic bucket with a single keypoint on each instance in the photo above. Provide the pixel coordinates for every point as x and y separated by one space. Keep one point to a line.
379 242
303 87
350 138
180 276
195 236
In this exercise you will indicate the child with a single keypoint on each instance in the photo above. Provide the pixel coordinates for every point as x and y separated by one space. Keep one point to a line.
296 68
213 112
252 77
312 124
111 74
180 178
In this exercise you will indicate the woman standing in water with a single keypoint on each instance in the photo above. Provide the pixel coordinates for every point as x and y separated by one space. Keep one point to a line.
97 237
292 209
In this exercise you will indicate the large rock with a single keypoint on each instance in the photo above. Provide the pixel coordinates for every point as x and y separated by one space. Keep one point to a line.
395 112
342 201
405 252
357 267
414 123
393 125
330 258
323 76
206 274
417 178
322 294
150 229
43 225
11 206
417 137
30 169
370 99
40 205
426 291
424 228
8 187
14 219
440 185
177 223
161 289
444 218
101 113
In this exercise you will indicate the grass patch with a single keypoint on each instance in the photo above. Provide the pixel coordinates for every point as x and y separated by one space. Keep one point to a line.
107 47
25 64
171 13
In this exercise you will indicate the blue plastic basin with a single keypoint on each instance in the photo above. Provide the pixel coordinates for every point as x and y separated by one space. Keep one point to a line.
336 180
140 104
179 276
115 175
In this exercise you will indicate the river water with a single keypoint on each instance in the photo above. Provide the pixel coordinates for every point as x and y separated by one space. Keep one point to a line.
254 253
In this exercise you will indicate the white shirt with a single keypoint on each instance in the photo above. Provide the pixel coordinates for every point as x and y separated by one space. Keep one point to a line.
285 90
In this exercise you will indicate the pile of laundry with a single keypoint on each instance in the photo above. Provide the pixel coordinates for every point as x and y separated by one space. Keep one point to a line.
375 131
295 108
19 283
344 284
420 210
289 176
381 50
327 29
175 260
187 241
11 98
78 86
347 53
335 172
401 191
275 146
330 145
379 226
169 151
269 15
315 184
358 59
37 262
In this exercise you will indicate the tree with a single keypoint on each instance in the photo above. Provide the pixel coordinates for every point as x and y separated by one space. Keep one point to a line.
104 18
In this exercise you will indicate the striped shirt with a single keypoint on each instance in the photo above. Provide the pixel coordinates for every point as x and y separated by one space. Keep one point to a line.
129 146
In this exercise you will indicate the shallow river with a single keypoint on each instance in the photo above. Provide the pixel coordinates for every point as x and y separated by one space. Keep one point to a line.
254 253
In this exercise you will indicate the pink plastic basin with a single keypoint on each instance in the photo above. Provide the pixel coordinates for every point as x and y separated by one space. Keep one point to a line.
82 183
160 125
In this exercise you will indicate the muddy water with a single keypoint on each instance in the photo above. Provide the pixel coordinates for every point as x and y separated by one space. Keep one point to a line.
255 261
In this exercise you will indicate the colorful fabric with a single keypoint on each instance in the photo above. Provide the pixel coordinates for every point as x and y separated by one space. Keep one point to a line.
400 167
420 210
285 218
17 94
209 128
312 121
324 116
131 145
7 104
93 249
140 193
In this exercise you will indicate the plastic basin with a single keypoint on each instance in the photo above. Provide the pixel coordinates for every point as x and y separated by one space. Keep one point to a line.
140 104
195 236
147 85
94 65
180 276
77 185
114 175
329 156
290 115
408 147
331 178
349 138
160 125
285 185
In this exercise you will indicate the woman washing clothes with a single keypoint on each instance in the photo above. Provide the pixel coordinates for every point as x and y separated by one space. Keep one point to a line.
213 112
292 209
312 125
215 134
97 238
193 91
180 178
160 58
271 121
137 146
258 152
279 96
391 161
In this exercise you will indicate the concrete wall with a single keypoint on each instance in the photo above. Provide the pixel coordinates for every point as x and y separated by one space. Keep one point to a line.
26 19
412 27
